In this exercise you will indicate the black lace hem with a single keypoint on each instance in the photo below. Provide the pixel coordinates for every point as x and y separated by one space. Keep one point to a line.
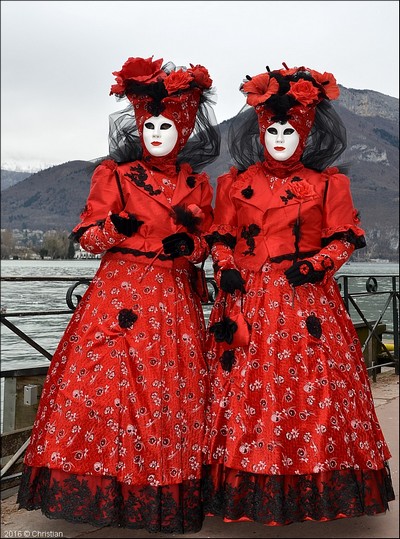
281 500
104 501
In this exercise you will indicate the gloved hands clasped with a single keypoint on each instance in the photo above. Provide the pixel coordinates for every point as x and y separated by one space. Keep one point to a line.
232 280
179 244
309 270
125 225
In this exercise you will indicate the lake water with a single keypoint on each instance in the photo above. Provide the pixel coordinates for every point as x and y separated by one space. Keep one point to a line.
49 296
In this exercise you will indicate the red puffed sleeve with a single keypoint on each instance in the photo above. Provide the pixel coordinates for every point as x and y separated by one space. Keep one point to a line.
340 217
222 234
201 248
96 232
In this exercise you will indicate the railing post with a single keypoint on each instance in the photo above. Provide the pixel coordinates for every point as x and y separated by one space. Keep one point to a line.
10 404
395 325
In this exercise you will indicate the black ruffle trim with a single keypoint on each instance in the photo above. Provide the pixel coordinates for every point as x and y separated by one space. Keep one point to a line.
349 236
225 239
281 500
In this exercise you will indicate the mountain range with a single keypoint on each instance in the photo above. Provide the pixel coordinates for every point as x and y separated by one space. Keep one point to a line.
52 199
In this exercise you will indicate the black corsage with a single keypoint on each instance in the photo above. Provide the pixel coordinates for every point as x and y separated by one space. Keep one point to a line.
191 181
248 192
227 360
224 331
126 318
314 326
186 218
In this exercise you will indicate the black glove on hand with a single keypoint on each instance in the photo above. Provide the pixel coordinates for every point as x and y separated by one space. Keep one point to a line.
303 272
231 280
179 244
126 225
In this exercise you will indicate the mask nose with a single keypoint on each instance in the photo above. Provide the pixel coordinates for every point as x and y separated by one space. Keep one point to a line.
279 137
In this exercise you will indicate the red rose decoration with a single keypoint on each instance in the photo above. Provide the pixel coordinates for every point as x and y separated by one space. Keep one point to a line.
304 269
259 89
302 190
304 92
201 76
177 80
139 70
328 84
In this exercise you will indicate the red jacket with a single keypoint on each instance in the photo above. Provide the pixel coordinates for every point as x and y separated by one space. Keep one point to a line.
140 194
263 221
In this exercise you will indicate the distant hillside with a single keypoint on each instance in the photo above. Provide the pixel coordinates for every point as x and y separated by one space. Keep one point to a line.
10 177
54 198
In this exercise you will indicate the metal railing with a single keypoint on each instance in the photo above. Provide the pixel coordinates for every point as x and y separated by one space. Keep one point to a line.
373 289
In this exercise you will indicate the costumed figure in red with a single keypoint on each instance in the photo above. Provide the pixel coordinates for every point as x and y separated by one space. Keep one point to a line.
119 434
293 434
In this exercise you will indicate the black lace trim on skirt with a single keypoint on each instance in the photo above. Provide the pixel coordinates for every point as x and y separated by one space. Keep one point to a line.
104 501
281 500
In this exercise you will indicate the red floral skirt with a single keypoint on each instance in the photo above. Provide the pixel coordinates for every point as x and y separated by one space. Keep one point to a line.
292 429
119 434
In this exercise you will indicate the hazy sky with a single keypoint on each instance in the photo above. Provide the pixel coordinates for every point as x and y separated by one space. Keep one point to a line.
57 59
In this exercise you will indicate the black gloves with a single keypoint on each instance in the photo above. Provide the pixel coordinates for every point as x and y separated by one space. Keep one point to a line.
231 280
304 272
126 225
179 244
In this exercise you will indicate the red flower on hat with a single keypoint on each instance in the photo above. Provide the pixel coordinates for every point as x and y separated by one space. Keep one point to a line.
291 71
139 70
201 76
177 80
328 83
304 92
260 88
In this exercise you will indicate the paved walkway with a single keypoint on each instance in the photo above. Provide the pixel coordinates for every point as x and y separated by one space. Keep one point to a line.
22 523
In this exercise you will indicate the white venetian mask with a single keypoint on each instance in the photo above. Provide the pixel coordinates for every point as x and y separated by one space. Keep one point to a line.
281 140
159 135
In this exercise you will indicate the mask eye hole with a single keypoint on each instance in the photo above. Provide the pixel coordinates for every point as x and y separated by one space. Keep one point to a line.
149 125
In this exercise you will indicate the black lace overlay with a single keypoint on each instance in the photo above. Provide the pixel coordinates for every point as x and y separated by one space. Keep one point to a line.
248 233
138 175
281 500
104 501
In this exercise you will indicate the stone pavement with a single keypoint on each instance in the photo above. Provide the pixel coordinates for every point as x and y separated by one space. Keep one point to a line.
22 523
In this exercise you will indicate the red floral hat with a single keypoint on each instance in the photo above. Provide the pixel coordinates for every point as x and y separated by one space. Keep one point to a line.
289 95
154 89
